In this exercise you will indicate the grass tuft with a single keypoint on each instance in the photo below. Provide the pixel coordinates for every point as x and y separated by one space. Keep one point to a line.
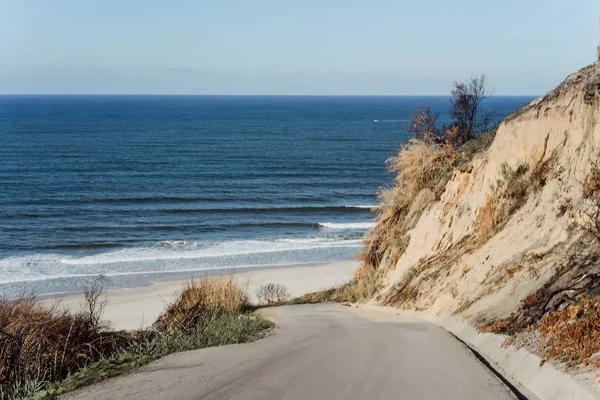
363 286
200 296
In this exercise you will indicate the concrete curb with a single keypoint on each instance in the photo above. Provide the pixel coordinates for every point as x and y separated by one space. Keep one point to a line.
545 382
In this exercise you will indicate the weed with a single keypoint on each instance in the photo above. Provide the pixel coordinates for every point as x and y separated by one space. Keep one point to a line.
272 293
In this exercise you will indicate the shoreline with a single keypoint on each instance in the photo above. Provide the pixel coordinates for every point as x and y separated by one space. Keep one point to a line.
138 307
183 276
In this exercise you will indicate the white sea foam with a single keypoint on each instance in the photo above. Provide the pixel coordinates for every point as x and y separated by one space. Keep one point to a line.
377 121
167 257
356 225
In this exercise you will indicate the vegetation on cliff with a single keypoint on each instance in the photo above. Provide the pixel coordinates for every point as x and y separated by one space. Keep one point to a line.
424 166
507 238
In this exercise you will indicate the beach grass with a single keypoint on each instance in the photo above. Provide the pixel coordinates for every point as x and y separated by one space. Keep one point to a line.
46 352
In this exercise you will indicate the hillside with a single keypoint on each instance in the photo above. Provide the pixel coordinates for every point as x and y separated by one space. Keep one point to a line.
505 239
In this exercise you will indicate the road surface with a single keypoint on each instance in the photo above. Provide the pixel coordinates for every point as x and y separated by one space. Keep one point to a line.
318 352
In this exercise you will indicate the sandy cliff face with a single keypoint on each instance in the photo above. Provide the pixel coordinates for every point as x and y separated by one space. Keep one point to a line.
454 264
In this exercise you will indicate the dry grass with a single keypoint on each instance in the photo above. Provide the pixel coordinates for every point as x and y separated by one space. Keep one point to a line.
511 191
508 195
422 171
272 293
363 286
49 352
573 334
401 292
37 343
199 296
591 195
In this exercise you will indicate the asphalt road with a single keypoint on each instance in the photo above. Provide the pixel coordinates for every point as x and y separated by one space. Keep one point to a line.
318 352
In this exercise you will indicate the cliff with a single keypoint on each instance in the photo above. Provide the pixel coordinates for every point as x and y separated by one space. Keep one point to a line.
511 236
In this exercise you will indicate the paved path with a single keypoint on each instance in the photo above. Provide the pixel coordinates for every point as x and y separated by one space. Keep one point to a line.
318 352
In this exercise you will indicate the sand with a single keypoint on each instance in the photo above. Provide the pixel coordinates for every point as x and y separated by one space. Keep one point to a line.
138 307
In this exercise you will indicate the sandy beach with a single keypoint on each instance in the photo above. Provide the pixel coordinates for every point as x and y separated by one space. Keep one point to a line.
138 307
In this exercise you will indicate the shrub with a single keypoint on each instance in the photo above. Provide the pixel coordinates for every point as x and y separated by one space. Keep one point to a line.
199 297
469 119
423 125
477 145
272 293
572 334
40 344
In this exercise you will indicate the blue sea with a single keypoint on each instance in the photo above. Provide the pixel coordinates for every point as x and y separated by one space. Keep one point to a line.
146 188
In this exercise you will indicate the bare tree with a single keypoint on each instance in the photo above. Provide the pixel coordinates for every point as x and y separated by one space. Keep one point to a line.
95 300
469 119
423 124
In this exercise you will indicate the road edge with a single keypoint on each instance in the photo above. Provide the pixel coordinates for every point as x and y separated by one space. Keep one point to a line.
520 367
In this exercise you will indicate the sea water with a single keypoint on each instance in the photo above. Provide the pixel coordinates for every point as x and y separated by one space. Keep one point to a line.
143 188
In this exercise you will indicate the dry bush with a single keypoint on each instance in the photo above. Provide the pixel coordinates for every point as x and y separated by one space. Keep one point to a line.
573 334
363 286
574 280
423 125
210 294
41 343
272 293
422 170
94 302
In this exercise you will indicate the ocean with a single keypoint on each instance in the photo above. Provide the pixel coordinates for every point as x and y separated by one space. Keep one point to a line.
146 188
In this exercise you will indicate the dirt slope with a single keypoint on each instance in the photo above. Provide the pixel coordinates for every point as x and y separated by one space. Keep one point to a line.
495 239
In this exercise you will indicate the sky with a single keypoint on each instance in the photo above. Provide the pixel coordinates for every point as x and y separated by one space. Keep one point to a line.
308 47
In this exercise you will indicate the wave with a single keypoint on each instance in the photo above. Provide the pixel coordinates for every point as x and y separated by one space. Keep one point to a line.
378 121
342 208
172 255
356 225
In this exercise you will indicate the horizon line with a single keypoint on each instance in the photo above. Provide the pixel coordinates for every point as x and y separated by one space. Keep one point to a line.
254 95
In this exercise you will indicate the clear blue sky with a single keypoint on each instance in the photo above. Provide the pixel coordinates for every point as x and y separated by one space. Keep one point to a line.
292 46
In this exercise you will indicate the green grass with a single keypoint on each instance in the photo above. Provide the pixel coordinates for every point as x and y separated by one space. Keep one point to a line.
213 329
